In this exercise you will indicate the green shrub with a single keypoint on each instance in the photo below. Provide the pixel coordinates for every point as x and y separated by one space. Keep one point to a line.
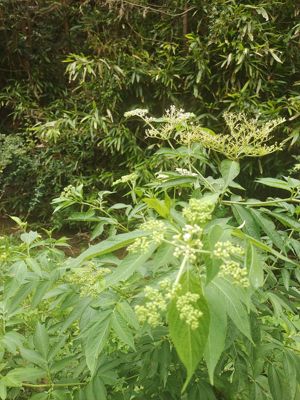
194 296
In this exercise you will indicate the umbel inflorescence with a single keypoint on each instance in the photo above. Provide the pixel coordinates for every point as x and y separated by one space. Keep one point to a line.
247 137
188 248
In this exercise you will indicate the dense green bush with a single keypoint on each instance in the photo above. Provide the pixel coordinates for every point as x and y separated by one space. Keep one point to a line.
70 71
194 294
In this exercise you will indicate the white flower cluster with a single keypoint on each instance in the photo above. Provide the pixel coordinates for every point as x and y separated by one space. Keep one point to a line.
198 211
185 172
138 112
188 242
162 176
187 311
178 114
126 178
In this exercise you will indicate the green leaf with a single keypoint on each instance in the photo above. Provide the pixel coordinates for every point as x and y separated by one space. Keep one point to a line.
75 314
26 374
268 227
189 343
34 266
284 219
39 396
97 231
174 182
275 183
88 216
243 215
121 329
255 267
262 246
128 266
61 364
165 359
229 170
227 293
94 339
217 332
159 206
34 357
163 256
12 340
95 390
276 383
108 246
41 340
40 292
128 314
290 372
3 391
29 237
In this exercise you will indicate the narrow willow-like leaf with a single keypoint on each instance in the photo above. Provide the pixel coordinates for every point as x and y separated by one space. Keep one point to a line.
41 340
243 216
158 205
277 384
263 246
284 219
129 266
189 343
26 374
217 332
128 314
121 329
3 391
226 293
269 228
94 340
229 170
255 267
107 246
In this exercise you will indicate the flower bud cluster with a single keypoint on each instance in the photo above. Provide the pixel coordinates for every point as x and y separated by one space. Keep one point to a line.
140 245
157 229
187 311
69 192
188 243
155 305
198 211
226 249
89 279
156 302
231 268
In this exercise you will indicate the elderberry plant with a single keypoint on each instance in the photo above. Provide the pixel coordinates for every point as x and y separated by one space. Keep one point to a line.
194 296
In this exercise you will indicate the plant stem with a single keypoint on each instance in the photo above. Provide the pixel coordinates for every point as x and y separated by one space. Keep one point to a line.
181 269
49 385
261 203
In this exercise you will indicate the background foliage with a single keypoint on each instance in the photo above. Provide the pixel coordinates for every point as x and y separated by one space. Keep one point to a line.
69 71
